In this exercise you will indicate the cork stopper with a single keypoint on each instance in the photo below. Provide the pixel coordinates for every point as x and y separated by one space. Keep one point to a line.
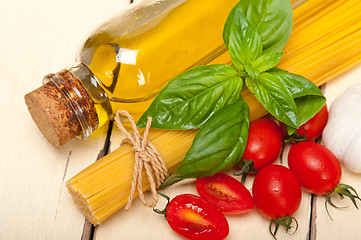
62 109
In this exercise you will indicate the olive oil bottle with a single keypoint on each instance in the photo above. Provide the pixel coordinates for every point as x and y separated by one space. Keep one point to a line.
126 62
134 56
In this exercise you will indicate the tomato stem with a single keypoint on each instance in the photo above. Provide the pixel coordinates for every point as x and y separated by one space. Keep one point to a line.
284 221
282 149
246 168
295 137
165 208
342 190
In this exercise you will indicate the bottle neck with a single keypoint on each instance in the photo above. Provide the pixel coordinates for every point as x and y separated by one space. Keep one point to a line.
79 100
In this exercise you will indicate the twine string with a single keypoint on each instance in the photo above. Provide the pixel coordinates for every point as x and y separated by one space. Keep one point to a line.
146 157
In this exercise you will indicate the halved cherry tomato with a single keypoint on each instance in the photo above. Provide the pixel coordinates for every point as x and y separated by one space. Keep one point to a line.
316 167
226 193
264 144
313 128
194 218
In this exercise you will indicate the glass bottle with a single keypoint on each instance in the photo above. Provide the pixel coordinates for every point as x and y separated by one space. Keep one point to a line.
126 62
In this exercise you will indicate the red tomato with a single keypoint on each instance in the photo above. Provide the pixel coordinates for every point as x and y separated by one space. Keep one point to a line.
194 218
226 193
264 144
276 192
316 167
313 128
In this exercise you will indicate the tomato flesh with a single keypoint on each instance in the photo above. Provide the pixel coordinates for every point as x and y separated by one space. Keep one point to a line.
226 193
194 218
316 167
276 192
264 144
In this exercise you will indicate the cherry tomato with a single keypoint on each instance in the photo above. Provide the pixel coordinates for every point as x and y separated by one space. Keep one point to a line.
316 167
276 192
194 218
319 172
226 193
313 128
264 143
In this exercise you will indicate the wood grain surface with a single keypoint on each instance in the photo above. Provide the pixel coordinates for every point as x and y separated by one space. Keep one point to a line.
39 37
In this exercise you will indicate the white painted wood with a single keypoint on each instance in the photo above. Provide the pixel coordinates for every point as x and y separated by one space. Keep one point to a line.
346 221
38 37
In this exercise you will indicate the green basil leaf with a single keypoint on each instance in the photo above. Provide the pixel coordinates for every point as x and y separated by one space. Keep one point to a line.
244 42
267 61
229 22
275 97
252 73
188 100
272 19
308 97
218 145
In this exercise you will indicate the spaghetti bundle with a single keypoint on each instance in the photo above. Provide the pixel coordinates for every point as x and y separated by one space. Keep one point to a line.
324 43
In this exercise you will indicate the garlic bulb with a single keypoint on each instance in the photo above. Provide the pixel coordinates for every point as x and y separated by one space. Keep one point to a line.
342 134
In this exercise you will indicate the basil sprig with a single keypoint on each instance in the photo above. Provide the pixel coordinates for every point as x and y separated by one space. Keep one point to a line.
208 97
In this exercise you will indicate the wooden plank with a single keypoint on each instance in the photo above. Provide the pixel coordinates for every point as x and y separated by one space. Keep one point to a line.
39 37
345 224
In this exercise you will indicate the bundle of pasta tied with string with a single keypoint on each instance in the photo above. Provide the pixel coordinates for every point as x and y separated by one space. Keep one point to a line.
325 42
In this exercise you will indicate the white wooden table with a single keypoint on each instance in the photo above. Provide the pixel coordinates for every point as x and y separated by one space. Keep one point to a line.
39 37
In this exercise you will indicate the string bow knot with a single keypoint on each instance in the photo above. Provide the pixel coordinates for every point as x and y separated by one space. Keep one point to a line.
146 157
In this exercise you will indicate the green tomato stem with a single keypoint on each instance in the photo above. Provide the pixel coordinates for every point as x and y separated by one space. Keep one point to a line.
342 190
287 222
246 168
164 211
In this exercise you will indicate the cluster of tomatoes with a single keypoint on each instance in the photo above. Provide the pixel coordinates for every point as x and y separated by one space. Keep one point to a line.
276 190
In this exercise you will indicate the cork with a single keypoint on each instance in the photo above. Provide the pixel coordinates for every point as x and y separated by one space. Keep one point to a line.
53 114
